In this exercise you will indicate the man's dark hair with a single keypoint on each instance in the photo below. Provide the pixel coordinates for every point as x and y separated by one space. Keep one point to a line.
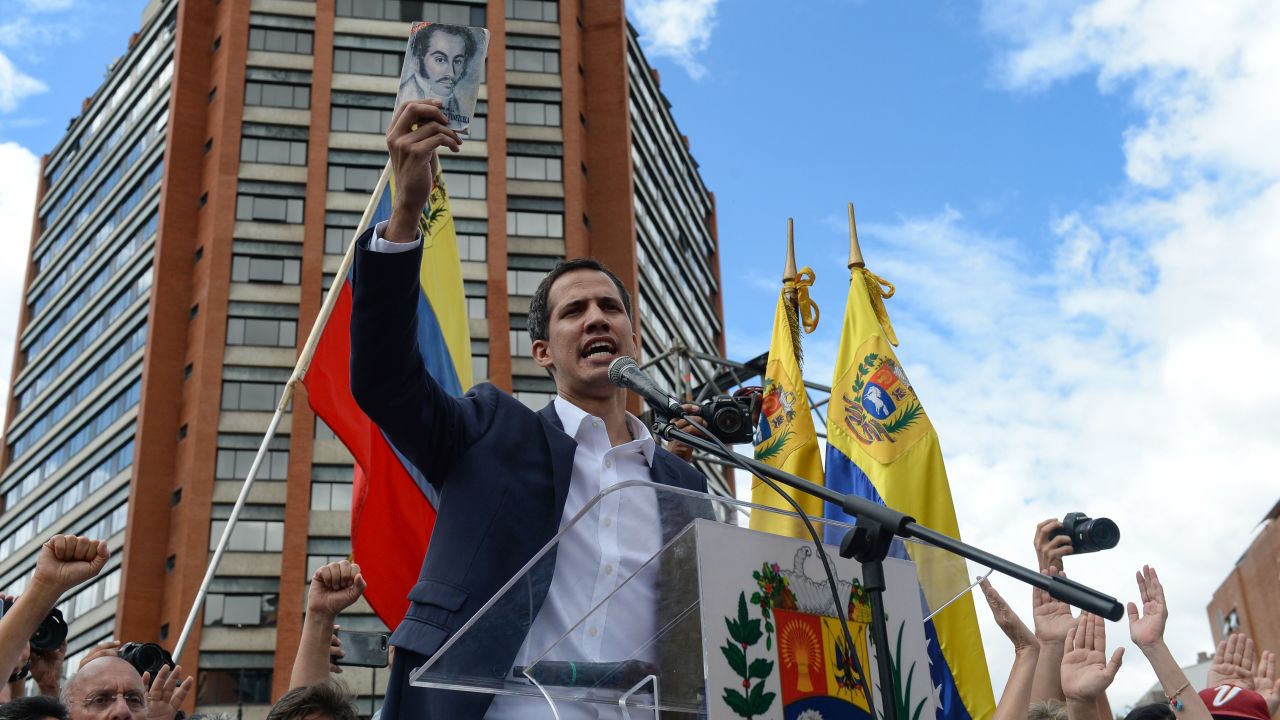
540 312
422 41
35 707
1151 711
326 700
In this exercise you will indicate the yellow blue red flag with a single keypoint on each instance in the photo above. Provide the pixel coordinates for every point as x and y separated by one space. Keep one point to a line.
881 446
786 438
393 507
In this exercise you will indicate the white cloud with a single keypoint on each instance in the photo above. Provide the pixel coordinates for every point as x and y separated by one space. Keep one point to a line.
15 85
17 203
676 29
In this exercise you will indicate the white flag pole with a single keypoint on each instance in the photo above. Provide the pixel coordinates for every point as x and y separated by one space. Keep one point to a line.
299 372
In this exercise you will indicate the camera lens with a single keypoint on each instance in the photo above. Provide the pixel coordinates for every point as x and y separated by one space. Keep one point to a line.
728 421
1101 533
51 633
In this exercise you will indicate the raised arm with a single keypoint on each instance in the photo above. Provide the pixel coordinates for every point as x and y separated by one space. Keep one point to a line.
64 562
1053 620
1026 648
1147 632
334 588
1086 672
389 378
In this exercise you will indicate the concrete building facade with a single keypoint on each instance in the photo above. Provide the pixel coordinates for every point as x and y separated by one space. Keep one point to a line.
186 228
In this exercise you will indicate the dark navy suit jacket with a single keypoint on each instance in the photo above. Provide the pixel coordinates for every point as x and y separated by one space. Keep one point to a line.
501 470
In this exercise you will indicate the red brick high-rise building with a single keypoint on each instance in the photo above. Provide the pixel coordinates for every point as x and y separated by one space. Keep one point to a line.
187 225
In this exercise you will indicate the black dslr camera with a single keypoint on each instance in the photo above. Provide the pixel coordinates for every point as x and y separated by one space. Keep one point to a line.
1089 534
51 633
145 657
732 418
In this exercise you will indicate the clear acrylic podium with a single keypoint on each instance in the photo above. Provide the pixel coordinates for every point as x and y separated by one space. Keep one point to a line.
632 646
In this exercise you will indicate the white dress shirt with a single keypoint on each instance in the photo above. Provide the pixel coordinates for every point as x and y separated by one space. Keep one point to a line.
600 551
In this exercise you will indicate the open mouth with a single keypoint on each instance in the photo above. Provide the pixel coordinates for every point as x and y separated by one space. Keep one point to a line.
599 349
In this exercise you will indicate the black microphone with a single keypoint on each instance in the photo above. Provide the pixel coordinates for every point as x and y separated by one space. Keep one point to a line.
625 373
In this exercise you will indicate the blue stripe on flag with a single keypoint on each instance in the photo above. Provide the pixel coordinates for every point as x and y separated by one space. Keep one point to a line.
434 349
950 706
846 477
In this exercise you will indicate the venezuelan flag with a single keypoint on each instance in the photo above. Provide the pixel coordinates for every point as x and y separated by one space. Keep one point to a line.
393 507
786 438
881 446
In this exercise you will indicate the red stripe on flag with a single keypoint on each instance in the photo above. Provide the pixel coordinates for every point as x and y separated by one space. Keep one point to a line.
391 520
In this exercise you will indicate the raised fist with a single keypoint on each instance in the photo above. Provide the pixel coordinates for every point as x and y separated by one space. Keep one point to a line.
65 561
334 588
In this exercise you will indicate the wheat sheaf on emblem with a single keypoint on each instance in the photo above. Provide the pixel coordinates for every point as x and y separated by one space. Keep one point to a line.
801 649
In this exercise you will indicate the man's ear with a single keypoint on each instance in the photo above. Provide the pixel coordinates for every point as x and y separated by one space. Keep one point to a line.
542 353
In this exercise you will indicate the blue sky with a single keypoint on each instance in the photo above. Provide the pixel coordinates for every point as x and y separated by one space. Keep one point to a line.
1078 202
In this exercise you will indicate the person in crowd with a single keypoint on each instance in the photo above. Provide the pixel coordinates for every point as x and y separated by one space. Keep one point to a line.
1235 663
1152 711
1047 710
1146 631
36 707
321 701
110 688
64 562
1026 649
334 588
1233 702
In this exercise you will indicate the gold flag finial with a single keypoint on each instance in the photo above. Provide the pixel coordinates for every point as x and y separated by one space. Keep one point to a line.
855 252
790 272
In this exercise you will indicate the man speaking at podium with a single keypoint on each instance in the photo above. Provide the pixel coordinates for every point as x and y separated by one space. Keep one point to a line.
508 478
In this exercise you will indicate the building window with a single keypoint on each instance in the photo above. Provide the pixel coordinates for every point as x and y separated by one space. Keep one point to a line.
524 283
280 95
251 396
412 10
526 223
524 167
331 487
270 202
527 112
338 230
367 62
240 609
262 332
352 112
531 60
472 247
249 535
234 462
346 178
1230 623
315 562
247 268
272 151
465 185
543 10
234 686
277 40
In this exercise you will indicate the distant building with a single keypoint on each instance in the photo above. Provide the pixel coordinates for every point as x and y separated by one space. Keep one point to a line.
187 225
1248 600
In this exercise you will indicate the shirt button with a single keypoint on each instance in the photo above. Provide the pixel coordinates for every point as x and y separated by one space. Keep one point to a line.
608 463
608 522
608 569
593 632
595 424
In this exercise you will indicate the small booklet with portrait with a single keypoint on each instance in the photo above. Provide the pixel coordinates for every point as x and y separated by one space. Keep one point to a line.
445 63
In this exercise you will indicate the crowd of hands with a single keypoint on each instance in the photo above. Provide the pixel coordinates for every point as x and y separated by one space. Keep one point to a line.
1064 659
106 686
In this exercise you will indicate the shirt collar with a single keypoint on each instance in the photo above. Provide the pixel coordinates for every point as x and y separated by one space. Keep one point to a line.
572 418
